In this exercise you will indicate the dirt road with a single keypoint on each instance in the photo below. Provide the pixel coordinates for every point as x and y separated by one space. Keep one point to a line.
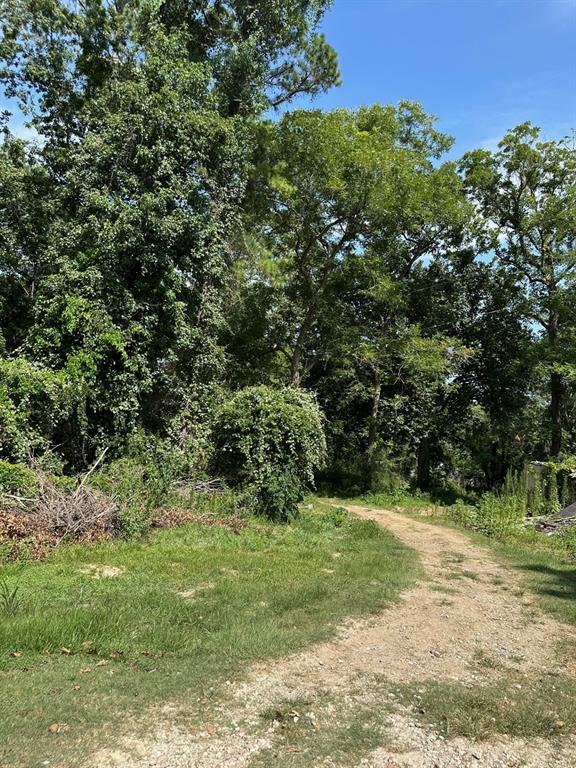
467 624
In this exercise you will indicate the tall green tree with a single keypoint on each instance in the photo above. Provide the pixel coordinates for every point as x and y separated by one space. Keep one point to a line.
119 222
482 427
526 191
332 184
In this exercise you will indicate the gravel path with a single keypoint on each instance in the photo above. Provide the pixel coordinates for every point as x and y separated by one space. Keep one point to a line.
468 608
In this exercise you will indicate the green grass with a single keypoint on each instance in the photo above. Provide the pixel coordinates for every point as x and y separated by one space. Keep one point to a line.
326 730
546 571
514 706
339 730
260 593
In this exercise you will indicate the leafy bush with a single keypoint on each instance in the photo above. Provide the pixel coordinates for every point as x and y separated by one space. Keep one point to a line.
127 481
496 514
32 401
269 444
17 479
463 514
500 515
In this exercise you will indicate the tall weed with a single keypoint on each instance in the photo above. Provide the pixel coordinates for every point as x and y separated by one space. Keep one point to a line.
9 597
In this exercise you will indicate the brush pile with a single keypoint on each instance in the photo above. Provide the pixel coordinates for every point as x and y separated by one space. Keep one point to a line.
37 524
32 524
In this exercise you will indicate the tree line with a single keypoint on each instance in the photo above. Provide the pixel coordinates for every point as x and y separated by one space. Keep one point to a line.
174 233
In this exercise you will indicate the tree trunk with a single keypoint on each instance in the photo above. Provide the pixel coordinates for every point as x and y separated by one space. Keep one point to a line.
556 391
296 364
423 468
298 348
373 432
556 403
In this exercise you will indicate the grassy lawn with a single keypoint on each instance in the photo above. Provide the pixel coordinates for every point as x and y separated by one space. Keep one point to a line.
99 633
339 730
546 573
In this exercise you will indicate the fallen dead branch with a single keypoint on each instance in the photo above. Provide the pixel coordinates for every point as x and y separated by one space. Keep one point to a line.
39 523
94 466
86 513
184 487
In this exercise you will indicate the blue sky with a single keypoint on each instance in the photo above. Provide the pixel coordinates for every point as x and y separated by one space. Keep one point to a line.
481 66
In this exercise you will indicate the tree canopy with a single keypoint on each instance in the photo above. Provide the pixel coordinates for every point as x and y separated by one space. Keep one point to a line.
171 243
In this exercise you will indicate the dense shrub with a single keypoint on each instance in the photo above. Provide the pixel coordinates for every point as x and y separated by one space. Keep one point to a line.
269 444
32 401
17 479
500 515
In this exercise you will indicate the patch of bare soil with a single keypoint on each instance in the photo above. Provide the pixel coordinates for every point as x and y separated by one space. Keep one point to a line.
469 609
101 571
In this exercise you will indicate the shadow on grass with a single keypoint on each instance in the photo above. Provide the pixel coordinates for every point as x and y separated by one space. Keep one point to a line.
553 582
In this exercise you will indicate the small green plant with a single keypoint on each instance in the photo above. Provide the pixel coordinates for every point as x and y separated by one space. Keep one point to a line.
133 519
535 495
9 597
139 482
463 514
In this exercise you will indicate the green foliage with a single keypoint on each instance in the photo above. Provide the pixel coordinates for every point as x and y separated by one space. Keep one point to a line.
17 479
222 504
552 498
33 401
269 443
536 495
500 514
494 515
276 493
139 481
566 496
133 518
164 242
463 514
145 115
526 191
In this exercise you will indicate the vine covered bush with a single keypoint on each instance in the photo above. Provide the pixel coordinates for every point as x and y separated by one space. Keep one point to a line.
269 443
32 401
